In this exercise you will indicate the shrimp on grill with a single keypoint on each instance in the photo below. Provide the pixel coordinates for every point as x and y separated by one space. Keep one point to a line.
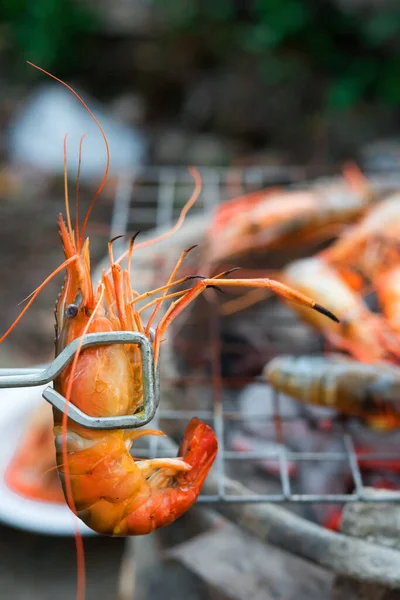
363 245
104 485
371 249
368 391
277 219
365 335
112 492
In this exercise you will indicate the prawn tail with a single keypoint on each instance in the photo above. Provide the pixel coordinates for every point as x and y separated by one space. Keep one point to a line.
168 502
198 449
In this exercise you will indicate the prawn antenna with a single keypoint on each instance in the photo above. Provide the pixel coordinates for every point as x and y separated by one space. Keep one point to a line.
110 243
107 167
34 295
66 189
193 198
78 179
326 312
131 245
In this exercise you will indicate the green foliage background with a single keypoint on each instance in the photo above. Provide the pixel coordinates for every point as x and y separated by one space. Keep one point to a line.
47 32
356 55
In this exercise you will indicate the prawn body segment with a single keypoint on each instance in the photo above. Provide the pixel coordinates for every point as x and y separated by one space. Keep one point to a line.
367 391
116 495
277 219
366 336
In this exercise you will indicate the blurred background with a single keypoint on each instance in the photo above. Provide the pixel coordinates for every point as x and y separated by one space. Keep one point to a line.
185 82
280 84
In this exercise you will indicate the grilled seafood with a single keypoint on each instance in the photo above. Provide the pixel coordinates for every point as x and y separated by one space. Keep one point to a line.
364 245
369 391
104 485
276 219
365 335
371 249
387 285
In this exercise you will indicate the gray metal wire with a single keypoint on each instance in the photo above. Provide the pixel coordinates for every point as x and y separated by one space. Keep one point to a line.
282 456
18 378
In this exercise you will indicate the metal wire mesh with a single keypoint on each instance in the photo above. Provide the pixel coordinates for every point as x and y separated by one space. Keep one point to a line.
154 197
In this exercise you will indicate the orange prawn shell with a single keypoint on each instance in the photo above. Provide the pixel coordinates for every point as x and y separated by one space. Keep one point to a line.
31 472
359 332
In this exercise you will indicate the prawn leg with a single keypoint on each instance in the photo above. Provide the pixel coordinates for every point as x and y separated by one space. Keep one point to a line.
267 284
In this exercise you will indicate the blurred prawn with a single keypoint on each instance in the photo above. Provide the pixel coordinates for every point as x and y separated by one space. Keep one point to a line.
368 391
32 471
274 218
370 250
360 246
365 335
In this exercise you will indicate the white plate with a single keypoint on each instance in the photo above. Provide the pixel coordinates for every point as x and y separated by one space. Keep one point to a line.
16 406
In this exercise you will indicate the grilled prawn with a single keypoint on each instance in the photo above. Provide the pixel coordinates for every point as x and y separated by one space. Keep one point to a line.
277 219
369 391
113 493
365 335
103 484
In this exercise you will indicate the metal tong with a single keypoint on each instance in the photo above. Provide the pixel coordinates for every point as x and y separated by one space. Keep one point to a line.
14 378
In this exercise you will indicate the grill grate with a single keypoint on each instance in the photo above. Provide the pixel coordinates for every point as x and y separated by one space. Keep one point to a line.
154 197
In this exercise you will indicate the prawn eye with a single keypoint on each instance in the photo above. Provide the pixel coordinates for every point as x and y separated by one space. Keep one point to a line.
71 311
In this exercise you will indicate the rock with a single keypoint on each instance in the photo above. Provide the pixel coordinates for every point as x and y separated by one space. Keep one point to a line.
378 523
157 578
350 589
